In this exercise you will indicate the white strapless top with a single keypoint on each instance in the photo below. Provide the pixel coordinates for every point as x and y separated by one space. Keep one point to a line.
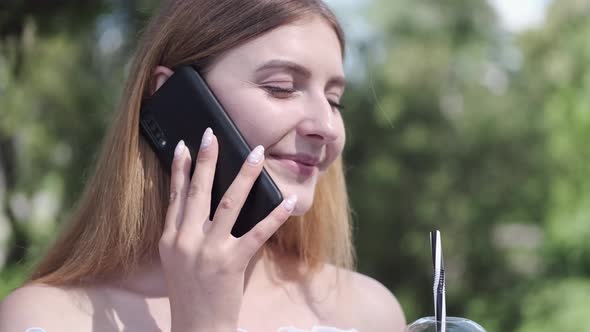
314 329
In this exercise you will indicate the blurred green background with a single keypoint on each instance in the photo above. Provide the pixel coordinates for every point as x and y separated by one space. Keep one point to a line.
457 119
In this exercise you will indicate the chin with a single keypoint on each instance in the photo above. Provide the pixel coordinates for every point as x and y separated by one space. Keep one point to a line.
292 180
305 194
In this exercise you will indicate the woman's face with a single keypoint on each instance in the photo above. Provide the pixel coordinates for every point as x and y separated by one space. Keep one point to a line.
282 90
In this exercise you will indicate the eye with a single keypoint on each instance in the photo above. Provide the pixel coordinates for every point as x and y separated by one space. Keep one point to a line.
279 92
336 105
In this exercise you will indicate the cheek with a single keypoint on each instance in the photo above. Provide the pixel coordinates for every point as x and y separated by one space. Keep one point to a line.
255 116
342 140
334 149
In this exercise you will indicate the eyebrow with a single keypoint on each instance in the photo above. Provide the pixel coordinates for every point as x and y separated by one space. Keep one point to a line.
337 81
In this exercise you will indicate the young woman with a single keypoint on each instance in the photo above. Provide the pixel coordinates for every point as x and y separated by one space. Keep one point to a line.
140 253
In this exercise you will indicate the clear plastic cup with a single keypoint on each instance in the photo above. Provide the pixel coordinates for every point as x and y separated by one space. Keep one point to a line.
454 324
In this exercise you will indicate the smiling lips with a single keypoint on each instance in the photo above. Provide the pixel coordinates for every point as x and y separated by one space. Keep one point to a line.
300 163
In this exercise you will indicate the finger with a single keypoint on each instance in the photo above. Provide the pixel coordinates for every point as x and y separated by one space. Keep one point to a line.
198 200
179 179
233 199
252 241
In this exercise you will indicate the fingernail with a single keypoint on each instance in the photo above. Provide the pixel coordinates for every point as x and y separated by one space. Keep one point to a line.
256 155
290 202
207 138
178 149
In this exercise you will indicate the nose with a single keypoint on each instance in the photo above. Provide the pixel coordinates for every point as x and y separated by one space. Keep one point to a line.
320 121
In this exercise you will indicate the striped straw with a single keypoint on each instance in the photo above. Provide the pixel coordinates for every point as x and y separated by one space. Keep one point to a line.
440 313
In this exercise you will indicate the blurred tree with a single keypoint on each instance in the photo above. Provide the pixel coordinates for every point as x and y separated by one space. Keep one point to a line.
18 36
556 305
556 79
437 140
61 68
558 68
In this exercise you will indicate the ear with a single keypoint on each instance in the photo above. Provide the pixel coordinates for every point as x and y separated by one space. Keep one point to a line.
159 76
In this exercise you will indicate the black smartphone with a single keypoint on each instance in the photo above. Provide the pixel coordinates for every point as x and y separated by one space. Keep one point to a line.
181 109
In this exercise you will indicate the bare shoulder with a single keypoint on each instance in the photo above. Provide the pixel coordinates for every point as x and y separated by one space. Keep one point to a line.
42 306
375 305
384 311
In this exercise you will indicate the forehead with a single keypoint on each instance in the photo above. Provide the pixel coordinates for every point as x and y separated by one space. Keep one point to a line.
310 42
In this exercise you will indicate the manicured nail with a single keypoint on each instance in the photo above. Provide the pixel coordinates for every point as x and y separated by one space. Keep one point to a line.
290 202
207 138
179 149
256 155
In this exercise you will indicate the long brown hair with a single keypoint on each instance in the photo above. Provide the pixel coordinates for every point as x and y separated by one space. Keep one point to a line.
119 218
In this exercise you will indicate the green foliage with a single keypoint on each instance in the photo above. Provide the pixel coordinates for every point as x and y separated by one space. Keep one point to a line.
558 305
57 93
565 84
444 149
12 277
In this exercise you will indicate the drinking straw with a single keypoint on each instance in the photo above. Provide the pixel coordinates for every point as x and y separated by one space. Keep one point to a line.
439 282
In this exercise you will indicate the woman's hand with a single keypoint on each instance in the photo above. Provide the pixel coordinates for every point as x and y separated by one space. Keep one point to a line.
203 263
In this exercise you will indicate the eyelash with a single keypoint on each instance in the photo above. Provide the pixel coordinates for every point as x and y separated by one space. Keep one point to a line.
275 91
